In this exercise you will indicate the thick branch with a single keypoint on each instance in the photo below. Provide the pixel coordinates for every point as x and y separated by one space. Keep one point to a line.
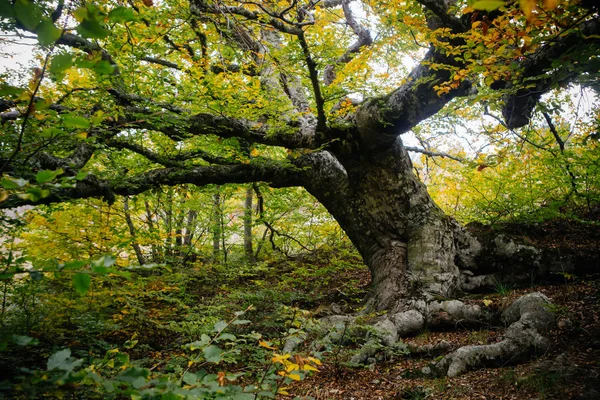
380 120
167 161
276 174
538 71
180 127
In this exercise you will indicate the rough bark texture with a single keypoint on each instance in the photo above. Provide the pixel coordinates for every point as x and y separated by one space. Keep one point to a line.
413 250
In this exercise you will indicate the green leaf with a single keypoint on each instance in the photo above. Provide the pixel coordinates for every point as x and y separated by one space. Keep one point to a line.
212 354
190 378
104 261
487 5
74 265
59 64
46 175
29 14
36 193
6 9
73 121
241 322
227 336
62 360
219 326
8 183
81 175
122 14
100 270
103 67
21 340
7 90
135 376
81 283
47 32
51 133
92 29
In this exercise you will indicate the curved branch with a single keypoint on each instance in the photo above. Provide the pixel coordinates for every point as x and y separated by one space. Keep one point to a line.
180 127
380 120
173 161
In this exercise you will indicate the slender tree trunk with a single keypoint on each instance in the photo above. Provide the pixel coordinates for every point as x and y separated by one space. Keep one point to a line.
136 247
216 227
151 228
190 228
179 232
168 220
248 250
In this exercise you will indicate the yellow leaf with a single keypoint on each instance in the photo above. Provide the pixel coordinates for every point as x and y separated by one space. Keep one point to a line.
308 367
3 195
475 24
550 4
528 6
266 345
294 377
315 360
292 367
190 363
278 358
487 302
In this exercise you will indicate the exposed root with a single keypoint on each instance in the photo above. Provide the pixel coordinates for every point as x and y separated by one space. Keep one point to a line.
529 318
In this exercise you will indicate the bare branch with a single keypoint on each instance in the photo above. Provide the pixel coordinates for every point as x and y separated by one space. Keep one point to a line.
434 153
560 142
364 39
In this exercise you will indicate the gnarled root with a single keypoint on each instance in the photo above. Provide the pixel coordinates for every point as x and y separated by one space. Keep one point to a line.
451 313
529 318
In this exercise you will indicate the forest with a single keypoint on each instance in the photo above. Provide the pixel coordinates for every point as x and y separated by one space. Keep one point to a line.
299 199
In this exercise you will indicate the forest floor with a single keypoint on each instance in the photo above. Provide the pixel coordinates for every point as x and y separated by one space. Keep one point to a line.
153 315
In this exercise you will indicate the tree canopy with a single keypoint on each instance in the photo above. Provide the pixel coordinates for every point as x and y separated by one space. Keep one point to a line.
130 95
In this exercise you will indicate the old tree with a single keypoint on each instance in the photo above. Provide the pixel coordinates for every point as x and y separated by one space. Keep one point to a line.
296 93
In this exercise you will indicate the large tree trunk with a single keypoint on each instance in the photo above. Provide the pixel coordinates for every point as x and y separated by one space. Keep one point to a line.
411 247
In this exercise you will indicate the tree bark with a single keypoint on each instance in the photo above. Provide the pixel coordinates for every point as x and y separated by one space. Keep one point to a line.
216 227
412 248
248 248
136 246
